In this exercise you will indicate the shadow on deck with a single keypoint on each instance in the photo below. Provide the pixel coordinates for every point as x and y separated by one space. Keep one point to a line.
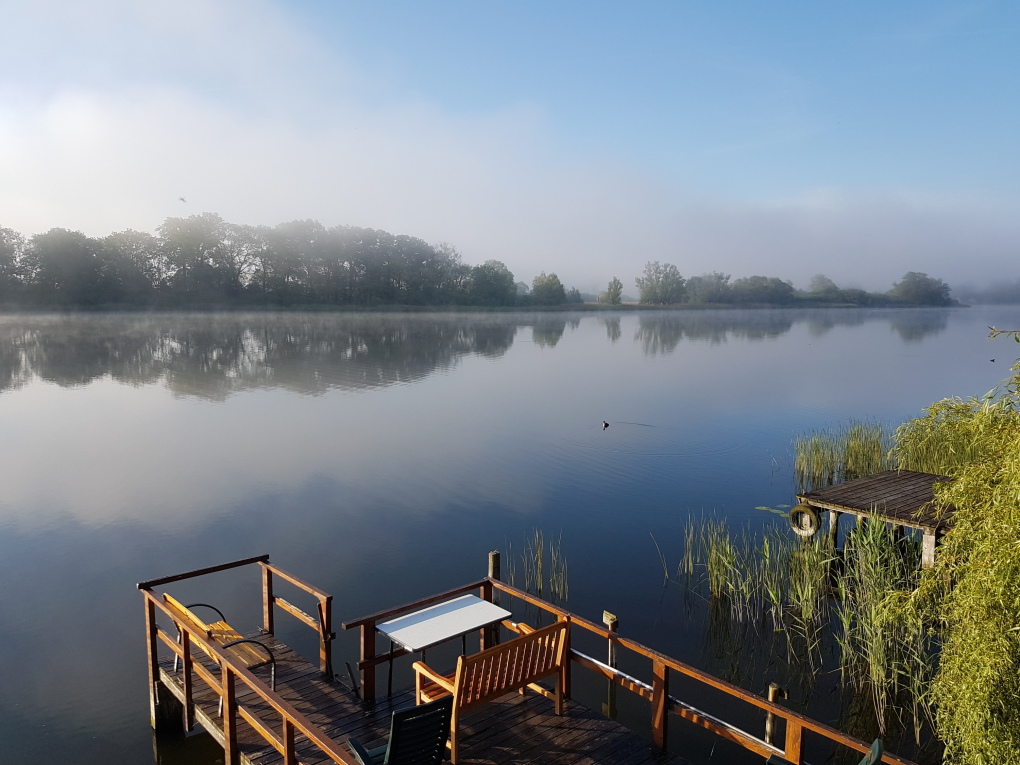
512 730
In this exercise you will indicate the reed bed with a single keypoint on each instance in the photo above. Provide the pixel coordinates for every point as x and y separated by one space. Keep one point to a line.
826 457
770 583
538 577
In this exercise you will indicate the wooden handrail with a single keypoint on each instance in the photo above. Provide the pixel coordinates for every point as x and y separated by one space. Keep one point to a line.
385 615
201 572
291 719
658 692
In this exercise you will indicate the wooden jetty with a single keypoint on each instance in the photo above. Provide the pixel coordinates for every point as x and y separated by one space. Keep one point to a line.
903 498
291 711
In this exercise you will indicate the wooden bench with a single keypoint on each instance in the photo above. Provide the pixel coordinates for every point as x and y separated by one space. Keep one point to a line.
238 647
511 666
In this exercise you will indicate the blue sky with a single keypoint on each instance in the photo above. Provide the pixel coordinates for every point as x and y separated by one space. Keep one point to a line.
859 140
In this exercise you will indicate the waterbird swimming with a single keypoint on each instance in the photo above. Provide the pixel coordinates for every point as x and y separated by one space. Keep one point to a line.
605 424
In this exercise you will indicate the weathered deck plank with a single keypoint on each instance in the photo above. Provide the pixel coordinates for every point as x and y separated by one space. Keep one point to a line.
898 496
513 730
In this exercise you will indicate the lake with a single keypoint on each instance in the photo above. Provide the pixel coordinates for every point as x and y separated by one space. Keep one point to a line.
382 456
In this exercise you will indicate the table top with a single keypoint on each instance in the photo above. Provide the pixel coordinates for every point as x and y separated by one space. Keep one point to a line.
442 621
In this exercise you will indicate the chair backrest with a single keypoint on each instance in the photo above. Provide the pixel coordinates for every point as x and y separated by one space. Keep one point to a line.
874 755
418 735
510 665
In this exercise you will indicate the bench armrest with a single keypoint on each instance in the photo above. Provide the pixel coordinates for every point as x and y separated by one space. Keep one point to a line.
420 668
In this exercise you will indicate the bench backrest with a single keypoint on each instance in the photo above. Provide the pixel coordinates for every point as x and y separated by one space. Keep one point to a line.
179 609
511 665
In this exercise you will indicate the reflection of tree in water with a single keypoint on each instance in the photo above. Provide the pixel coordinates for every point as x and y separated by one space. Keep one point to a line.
612 328
914 324
547 330
211 356
661 333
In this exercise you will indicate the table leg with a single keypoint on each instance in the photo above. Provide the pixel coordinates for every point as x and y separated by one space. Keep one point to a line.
389 680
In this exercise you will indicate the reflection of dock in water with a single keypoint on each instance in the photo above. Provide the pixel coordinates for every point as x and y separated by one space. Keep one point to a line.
288 710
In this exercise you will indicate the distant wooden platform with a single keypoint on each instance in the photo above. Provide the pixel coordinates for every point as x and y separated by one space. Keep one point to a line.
902 497
513 729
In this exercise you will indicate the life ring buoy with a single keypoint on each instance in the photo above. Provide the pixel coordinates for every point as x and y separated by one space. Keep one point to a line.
804 520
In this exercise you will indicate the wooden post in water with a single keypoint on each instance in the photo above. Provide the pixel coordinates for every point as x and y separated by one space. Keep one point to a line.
928 548
613 625
775 692
834 528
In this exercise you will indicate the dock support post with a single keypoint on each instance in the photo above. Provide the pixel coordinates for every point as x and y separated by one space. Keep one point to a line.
834 528
165 712
928 549
613 625
660 703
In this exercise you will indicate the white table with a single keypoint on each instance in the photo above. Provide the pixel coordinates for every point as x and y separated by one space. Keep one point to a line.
438 623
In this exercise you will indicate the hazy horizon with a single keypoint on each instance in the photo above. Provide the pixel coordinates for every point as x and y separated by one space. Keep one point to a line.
860 142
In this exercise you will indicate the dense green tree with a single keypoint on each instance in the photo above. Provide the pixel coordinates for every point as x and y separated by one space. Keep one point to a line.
711 287
762 289
67 268
823 286
921 289
614 292
12 247
548 290
492 284
661 284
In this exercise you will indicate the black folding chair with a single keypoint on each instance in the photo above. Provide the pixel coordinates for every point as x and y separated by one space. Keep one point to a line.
418 736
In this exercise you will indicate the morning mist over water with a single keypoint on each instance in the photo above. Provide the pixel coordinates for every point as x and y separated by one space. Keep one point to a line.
382 457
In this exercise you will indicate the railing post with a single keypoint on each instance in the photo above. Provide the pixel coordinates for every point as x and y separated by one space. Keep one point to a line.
613 625
490 634
567 663
660 703
289 752
326 636
187 680
231 753
794 741
153 658
267 600
367 653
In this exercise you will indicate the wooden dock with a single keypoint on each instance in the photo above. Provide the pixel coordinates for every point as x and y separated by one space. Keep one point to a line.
899 497
283 710
514 729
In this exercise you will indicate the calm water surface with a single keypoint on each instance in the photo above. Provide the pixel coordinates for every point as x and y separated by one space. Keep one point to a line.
381 457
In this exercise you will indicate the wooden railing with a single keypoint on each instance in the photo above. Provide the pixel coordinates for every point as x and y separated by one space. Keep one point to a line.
224 681
657 691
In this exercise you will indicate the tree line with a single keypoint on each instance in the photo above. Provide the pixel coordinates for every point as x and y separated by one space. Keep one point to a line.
662 284
205 260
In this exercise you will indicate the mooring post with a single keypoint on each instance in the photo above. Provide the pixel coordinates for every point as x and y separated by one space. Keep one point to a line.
775 692
613 625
